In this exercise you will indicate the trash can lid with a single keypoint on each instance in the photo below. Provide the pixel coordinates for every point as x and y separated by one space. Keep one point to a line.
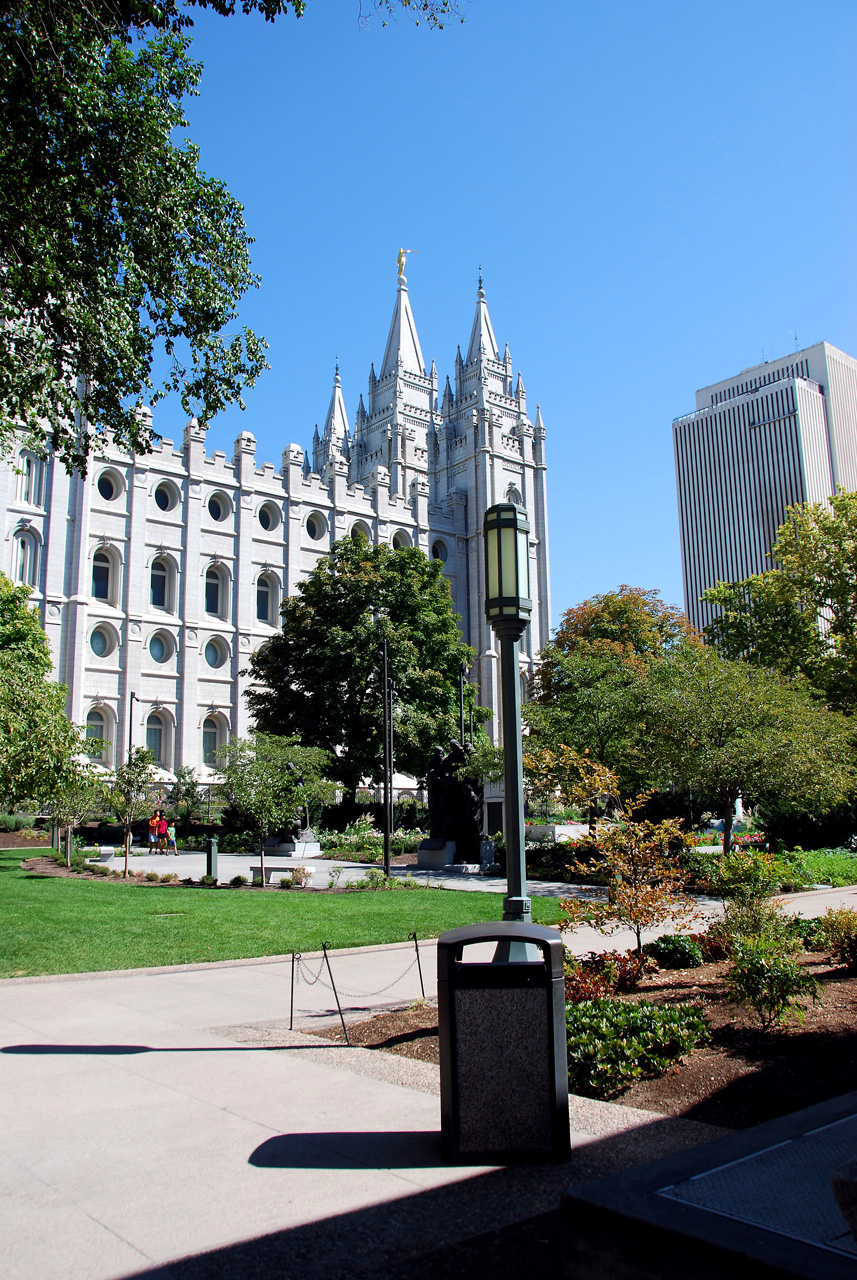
451 943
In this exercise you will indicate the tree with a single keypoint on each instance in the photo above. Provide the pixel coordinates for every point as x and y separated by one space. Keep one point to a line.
129 792
586 692
79 793
731 729
270 779
38 742
641 862
801 616
319 678
116 251
185 796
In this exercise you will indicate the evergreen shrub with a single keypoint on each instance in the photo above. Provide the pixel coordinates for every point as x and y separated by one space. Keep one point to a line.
612 1043
675 951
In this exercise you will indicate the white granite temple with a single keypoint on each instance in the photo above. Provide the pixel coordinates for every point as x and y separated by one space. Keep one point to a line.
158 575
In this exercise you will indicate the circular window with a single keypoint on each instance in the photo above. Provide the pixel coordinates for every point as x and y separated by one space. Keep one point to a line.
160 647
218 507
269 517
439 551
166 496
101 642
315 527
214 654
107 486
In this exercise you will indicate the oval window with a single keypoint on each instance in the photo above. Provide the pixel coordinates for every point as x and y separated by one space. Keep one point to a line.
439 551
217 507
315 527
214 654
165 496
159 648
101 642
107 486
265 518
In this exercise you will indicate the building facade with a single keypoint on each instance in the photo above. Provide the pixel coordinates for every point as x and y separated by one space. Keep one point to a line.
781 433
158 575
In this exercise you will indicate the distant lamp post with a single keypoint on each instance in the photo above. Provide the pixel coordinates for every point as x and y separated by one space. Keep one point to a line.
131 702
508 609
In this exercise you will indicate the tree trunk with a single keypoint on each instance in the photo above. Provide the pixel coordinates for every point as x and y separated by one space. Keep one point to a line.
127 850
262 858
728 817
68 846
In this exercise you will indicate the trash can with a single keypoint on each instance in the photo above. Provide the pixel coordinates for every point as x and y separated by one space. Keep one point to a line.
211 857
503 1056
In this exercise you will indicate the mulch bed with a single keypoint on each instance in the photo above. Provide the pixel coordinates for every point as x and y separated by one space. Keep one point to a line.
743 1077
13 840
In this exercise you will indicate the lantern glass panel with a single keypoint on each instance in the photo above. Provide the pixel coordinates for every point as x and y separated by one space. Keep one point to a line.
491 541
523 565
508 573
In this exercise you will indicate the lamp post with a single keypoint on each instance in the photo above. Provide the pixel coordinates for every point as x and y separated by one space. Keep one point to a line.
508 608
387 693
131 702
462 672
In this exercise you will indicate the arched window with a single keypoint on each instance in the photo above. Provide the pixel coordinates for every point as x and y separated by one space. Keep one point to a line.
400 539
101 576
213 592
439 551
514 495
263 600
31 476
25 566
210 741
156 738
361 530
160 583
95 728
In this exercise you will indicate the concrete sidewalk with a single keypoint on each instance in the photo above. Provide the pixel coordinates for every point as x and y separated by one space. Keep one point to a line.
148 1116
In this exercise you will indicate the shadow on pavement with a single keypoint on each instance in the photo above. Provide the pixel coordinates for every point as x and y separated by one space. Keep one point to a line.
406 1149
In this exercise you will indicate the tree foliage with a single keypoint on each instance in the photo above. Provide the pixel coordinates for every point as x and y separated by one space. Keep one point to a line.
801 616
320 677
586 692
731 729
269 780
79 794
571 777
38 742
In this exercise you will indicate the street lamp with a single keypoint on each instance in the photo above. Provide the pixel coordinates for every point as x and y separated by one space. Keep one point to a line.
131 702
508 608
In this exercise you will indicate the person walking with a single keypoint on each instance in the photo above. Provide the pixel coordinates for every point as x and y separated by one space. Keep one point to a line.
153 830
171 839
162 832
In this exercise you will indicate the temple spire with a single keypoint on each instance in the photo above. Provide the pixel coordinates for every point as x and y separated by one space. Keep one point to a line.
336 422
483 344
403 344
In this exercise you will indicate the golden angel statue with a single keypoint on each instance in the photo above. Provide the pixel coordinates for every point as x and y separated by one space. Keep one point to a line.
401 260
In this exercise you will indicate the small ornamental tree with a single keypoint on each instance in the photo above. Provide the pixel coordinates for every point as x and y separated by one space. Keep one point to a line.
270 779
129 792
572 777
641 862
79 794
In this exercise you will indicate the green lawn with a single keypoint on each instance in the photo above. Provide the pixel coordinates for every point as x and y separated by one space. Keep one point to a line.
57 925
837 867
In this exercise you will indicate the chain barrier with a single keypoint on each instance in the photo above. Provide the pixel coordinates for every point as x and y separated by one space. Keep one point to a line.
301 972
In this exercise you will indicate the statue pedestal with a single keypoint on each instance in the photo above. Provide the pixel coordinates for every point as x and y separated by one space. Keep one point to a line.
306 846
434 854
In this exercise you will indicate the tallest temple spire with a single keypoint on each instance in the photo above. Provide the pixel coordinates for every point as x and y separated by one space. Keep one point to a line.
403 344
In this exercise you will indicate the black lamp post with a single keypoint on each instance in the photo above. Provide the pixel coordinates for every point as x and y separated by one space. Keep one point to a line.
508 608
131 702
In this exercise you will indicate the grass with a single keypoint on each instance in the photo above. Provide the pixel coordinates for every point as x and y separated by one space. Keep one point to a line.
65 925
836 867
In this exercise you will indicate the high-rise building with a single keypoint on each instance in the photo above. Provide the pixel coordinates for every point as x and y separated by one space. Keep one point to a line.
158 575
780 433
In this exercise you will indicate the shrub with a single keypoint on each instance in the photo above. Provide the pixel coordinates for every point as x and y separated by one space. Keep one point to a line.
169 877
151 876
99 870
237 881
838 927
675 951
301 876
712 943
612 1043
769 983
257 882
601 973
285 882
16 822
333 877
210 881
746 920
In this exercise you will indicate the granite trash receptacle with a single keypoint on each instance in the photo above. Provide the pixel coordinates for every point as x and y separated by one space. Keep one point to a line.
503 1057
211 857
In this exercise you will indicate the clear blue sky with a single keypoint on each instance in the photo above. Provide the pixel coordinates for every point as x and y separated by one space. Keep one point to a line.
660 194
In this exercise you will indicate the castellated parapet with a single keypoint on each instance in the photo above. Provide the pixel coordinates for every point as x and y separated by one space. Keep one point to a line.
159 575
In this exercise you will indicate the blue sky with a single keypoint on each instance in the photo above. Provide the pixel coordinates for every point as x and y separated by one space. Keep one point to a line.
660 194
